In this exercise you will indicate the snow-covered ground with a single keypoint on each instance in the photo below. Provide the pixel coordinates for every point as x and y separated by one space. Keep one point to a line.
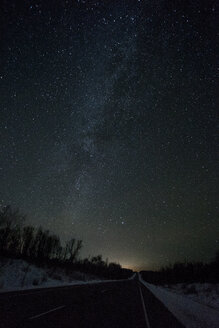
18 274
205 293
190 313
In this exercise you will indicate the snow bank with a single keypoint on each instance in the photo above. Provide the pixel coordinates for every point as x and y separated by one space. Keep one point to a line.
191 314
204 293
19 275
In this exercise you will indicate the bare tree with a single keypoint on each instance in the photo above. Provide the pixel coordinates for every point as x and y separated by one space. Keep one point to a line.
72 249
10 222
27 240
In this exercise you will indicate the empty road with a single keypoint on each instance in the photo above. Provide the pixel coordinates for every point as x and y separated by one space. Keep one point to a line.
125 303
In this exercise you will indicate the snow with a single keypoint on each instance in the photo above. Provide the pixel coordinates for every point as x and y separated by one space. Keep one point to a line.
20 275
190 313
204 293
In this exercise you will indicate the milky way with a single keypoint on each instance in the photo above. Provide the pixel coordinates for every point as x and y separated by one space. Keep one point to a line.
108 125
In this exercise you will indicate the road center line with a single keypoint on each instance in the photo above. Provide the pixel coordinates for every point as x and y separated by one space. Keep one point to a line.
144 308
44 313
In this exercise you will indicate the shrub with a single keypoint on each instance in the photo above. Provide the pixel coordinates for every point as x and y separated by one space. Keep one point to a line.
44 278
57 277
35 282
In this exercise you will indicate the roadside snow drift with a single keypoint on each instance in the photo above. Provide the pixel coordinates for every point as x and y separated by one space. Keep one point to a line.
19 274
191 314
204 293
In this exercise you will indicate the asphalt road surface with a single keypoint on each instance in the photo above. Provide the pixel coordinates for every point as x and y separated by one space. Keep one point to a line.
124 304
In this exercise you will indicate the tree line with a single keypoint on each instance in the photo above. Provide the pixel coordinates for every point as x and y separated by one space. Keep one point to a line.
29 242
187 272
40 246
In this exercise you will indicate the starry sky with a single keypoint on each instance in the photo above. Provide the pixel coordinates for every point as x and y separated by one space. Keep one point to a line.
108 126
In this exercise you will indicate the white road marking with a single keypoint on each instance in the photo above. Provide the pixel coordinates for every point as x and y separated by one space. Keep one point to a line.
44 313
144 308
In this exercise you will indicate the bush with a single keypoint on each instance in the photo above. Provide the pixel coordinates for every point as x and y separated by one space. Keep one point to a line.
1 284
44 278
35 282
57 277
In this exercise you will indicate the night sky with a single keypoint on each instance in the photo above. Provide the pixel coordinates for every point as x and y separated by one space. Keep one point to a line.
108 126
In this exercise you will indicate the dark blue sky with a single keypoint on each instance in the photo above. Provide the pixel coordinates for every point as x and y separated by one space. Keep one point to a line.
108 125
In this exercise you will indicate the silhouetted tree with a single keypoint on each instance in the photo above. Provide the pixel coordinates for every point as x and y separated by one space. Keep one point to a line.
72 249
15 241
27 240
10 221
